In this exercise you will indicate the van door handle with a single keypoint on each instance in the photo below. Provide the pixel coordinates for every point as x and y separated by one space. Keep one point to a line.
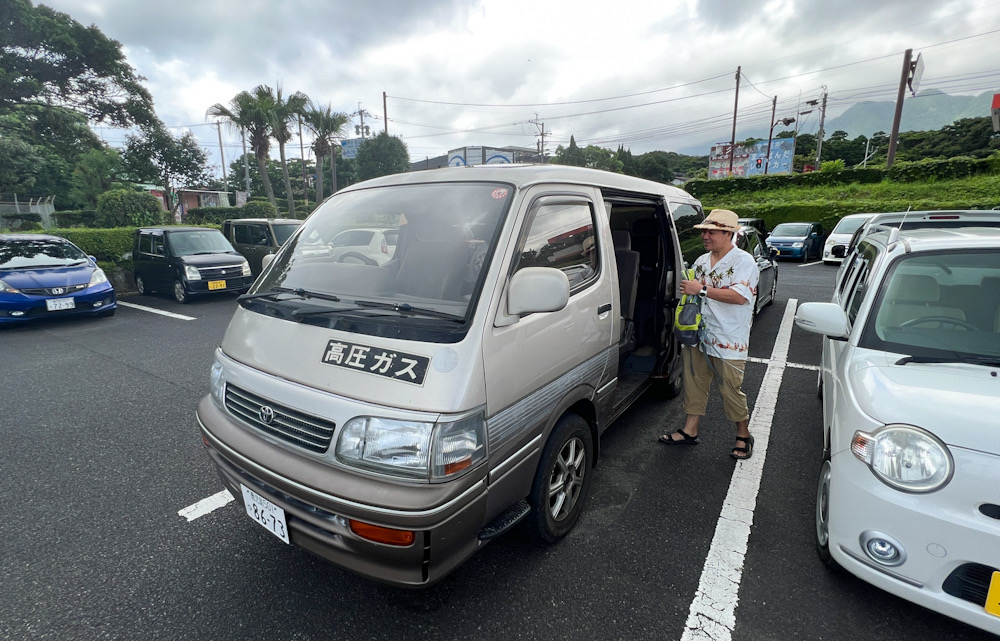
604 309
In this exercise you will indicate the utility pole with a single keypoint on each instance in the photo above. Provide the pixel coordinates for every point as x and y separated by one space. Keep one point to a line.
736 104
222 154
385 115
767 157
819 136
542 133
894 137
361 130
302 155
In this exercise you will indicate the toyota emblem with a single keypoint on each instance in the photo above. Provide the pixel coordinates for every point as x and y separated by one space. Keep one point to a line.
266 414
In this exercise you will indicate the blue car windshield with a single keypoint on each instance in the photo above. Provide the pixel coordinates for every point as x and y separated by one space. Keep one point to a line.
790 229
39 253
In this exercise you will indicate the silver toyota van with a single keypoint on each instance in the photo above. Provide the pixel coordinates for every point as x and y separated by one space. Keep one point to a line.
395 417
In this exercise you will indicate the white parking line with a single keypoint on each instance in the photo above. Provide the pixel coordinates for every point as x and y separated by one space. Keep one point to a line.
713 611
153 310
204 506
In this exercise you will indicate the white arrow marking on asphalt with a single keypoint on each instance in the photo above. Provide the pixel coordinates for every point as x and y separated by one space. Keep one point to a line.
204 506
712 616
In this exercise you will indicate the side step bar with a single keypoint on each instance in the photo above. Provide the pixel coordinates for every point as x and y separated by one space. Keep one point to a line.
505 520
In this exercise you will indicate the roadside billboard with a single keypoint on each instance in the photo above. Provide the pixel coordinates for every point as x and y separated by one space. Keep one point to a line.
751 160
349 148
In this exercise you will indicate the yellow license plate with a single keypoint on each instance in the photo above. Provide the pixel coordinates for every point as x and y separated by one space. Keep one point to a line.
216 284
993 596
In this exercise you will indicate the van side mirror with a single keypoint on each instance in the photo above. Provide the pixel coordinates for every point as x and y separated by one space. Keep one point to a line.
532 290
265 261
827 319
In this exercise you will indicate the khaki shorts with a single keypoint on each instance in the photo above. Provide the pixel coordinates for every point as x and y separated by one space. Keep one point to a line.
699 372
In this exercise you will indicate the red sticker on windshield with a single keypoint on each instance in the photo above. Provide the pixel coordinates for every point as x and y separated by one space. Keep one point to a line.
499 193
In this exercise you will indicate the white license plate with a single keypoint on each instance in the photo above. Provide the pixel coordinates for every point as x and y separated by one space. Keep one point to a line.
269 515
55 304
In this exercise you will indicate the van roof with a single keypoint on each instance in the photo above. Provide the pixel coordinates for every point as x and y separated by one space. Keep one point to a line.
523 175
935 238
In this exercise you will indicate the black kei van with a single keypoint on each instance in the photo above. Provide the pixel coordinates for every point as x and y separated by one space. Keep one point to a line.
187 261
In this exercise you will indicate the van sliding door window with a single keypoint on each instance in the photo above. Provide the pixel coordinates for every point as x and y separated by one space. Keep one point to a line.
562 235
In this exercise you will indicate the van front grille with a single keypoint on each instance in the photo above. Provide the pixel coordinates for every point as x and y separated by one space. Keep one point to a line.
226 271
291 426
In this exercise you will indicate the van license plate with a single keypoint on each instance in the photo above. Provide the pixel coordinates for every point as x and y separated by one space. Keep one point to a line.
993 596
55 304
269 515
216 284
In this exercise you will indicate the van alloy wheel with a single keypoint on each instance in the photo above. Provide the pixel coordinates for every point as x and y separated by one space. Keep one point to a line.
140 286
562 479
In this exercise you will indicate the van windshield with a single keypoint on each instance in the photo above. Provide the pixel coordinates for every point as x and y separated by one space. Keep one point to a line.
849 225
202 241
283 231
412 247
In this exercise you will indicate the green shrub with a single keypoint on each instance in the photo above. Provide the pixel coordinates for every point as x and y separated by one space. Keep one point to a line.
21 222
124 207
833 165
75 218
258 209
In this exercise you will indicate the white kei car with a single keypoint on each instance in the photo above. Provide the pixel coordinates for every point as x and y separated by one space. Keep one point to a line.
909 489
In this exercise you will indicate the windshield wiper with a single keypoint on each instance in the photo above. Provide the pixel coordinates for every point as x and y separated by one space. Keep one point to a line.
406 308
992 361
298 291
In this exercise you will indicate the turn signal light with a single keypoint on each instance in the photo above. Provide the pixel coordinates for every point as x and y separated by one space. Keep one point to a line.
381 534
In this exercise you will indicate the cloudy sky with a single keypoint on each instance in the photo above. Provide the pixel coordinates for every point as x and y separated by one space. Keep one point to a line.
648 74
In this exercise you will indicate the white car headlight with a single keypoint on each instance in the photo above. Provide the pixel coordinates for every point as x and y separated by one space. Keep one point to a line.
904 457
7 289
98 277
797 245
217 383
191 273
413 449
246 268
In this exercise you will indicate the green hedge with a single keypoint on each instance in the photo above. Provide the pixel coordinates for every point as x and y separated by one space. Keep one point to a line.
903 172
112 245
202 215
21 222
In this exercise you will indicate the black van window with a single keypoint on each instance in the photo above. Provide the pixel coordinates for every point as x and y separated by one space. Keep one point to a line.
241 234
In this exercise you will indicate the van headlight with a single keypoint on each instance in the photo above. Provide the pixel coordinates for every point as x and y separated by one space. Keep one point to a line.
904 457
191 273
246 268
798 245
413 449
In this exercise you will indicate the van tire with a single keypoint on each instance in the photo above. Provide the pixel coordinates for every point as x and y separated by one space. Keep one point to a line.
562 479
140 286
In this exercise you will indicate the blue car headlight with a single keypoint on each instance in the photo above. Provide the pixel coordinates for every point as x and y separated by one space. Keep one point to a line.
7 289
97 277
798 245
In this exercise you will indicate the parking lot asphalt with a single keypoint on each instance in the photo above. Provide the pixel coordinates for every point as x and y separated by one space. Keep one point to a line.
101 454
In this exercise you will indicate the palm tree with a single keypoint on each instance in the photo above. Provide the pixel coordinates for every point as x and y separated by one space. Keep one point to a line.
247 114
326 125
281 114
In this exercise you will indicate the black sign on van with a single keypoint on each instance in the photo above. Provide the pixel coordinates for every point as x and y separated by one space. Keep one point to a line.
408 368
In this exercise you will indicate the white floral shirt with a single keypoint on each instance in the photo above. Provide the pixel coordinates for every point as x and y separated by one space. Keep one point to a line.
726 327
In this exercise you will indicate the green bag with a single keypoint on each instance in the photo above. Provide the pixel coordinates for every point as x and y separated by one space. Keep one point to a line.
687 316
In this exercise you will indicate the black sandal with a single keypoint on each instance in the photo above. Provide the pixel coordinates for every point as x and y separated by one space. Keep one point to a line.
686 439
747 449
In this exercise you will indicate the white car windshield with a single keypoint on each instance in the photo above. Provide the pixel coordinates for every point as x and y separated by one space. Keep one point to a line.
942 305
398 255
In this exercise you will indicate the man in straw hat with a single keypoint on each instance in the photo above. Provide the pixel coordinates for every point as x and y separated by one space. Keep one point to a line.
726 281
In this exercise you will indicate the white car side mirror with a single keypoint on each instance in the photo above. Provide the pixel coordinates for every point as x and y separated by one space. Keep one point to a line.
822 318
265 261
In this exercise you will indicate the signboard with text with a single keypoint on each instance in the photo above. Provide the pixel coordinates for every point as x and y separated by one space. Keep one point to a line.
349 148
752 160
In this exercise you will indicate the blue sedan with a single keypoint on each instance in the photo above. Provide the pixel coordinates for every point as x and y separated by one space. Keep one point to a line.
44 276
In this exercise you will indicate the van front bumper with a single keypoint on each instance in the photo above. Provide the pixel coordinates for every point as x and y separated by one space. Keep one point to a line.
445 523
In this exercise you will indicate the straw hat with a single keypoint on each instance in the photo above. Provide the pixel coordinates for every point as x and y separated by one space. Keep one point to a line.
721 219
